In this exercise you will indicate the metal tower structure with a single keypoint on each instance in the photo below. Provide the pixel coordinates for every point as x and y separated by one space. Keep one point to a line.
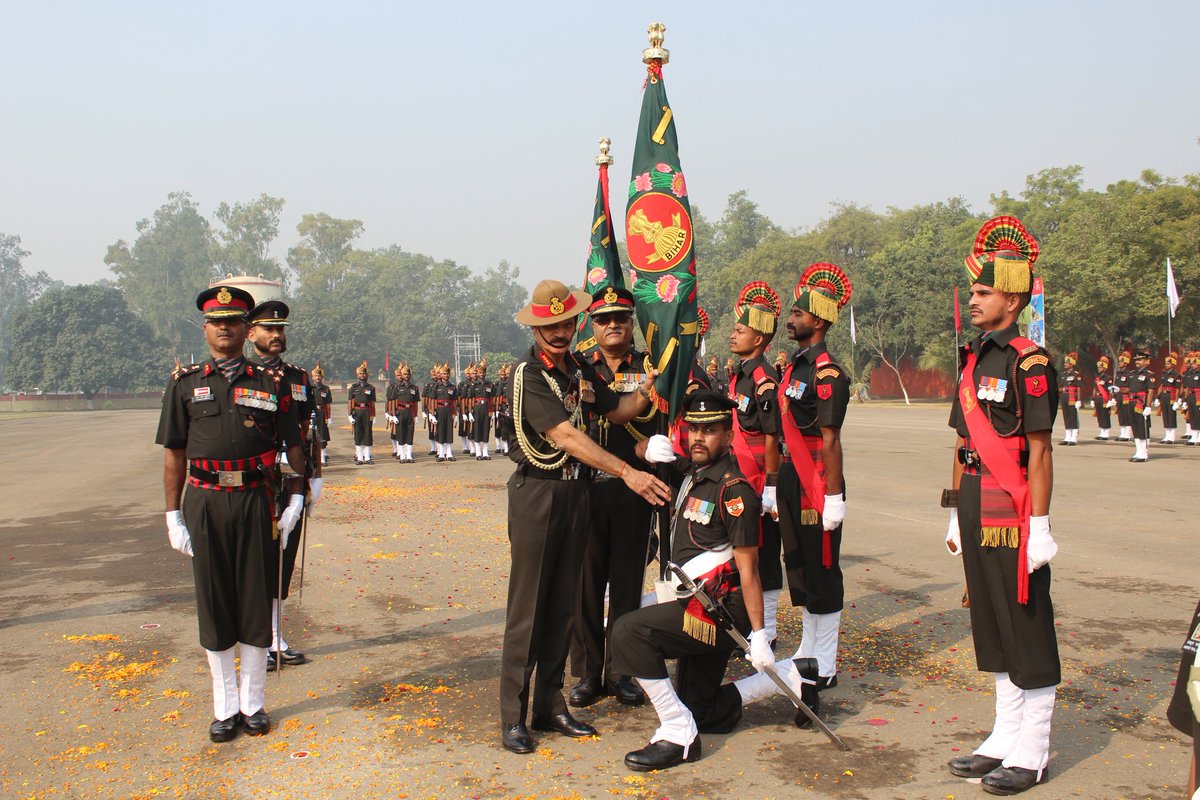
466 351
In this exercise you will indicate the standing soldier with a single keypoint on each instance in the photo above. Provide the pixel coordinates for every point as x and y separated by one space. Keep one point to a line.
406 404
754 389
1070 387
323 396
1191 397
443 400
462 413
1103 399
720 385
389 406
361 409
482 400
213 415
813 394
1170 391
614 555
548 509
1003 412
1121 392
1143 388
268 333
504 426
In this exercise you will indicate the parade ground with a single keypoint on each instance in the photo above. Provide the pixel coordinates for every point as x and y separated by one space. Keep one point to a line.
107 693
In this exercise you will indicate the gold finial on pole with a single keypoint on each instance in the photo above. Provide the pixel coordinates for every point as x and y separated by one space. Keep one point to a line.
604 159
656 52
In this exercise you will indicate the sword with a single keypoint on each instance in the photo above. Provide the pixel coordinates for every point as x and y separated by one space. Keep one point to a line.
721 616
279 608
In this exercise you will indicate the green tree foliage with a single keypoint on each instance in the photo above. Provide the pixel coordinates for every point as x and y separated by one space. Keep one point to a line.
168 264
243 245
85 338
17 290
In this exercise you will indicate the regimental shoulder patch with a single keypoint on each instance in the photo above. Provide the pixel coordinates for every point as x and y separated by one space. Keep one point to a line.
734 506
829 372
825 391
766 387
1035 385
1034 361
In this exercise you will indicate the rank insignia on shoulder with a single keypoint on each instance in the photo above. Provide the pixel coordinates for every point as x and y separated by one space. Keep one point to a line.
829 372
735 506
1035 361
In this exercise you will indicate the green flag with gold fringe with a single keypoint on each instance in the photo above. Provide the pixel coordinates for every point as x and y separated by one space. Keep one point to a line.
603 262
659 237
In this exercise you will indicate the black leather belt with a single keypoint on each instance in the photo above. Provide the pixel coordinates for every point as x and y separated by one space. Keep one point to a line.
225 477
571 472
970 458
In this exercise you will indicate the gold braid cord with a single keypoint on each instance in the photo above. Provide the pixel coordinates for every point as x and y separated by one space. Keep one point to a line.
556 457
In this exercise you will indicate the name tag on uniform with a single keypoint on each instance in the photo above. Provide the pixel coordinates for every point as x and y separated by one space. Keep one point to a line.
299 392
253 398
202 393
795 389
698 510
743 402
993 389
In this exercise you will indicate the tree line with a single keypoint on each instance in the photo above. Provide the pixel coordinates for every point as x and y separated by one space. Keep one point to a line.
1103 255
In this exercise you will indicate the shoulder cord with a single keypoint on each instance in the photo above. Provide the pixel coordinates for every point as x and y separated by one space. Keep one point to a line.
556 458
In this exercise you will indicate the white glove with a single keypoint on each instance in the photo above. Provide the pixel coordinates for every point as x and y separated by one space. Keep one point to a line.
659 450
1155 403
770 505
456 419
835 511
351 418
1178 404
1112 403
291 515
177 533
1041 547
1078 404
471 417
314 491
1146 411
1091 403
760 654
953 535
372 420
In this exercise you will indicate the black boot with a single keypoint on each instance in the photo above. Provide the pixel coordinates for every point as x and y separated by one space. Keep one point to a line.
807 667
662 755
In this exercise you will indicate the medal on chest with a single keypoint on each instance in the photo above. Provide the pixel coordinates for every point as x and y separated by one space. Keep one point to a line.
254 398
699 511
625 381
795 389
585 391
992 389
743 402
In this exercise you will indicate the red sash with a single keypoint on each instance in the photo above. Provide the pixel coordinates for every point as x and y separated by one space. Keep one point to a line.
1101 391
812 476
999 461
750 448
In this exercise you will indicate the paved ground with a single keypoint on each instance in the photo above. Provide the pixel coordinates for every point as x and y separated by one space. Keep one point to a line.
107 694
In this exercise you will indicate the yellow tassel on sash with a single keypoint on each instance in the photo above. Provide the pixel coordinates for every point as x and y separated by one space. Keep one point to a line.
700 630
808 516
1000 537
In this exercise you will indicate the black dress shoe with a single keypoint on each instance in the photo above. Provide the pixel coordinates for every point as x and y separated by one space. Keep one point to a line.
662 755
973 766
564 723
516 738
291 658
807 667
1137 459
223 730
629 693
823 682
586 692
1011 780
257 723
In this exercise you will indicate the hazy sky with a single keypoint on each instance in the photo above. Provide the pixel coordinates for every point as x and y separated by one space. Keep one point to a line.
467 131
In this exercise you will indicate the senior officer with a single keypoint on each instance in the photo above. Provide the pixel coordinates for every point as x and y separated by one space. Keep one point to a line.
548 508
227 412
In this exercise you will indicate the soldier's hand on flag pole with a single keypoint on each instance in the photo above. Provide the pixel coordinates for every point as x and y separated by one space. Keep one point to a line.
659 450
643 483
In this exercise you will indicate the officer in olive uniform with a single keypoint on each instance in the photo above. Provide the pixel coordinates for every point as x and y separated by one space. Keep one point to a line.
227 410
361 412
1103 399
813 394
268 334
1070 387
548 508
714 536
1003 413
619 525
405 405
1170 390
480 412
323 397
1143 389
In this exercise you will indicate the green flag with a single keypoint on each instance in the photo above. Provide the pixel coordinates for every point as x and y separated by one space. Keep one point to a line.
658 234
603 262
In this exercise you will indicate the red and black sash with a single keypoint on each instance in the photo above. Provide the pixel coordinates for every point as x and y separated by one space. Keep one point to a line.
806 455
749 447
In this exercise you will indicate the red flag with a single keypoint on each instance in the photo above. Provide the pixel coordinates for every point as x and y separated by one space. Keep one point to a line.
957 314
387 361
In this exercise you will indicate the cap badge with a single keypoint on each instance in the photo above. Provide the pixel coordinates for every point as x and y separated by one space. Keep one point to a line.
224 297
610 296
556 306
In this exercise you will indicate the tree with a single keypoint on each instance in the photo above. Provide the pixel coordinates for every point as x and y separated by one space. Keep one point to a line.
84 338
164 270
243 246
17 290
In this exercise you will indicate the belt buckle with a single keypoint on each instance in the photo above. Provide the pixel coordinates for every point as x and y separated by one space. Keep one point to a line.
229 478
783 450
571 472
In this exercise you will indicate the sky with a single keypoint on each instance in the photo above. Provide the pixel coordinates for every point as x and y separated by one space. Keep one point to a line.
468 131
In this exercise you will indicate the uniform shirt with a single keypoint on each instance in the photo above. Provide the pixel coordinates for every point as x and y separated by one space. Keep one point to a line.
1070 386
817 398
617 439
542 408
322 396
482 394
1171 383
1121 385
211 418
720 508
362 393
757 400
295 381
405 392
1142 384
443 390
1028 402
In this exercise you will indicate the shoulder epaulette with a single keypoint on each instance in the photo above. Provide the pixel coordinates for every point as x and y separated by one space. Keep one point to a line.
1023 346
180 371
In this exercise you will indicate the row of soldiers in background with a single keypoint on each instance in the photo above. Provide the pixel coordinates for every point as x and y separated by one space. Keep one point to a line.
1134 394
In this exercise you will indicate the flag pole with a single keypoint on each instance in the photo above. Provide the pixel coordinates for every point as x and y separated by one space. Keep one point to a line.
1170 311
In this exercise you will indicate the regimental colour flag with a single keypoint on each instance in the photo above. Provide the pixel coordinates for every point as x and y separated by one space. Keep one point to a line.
603 262
1172 291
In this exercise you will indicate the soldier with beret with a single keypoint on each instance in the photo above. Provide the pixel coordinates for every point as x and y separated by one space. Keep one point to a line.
999 501
1070 388
1143 389
548 508
361 413
220 413
323 397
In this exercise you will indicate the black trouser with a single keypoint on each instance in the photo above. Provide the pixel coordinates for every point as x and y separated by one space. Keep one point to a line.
615 555
405 427
1103 418
445 425
481 428
1009 637
1141 426
234 565
1070 416
363 435
547 524
1169 416
644 639
1124 414
322 426
819 589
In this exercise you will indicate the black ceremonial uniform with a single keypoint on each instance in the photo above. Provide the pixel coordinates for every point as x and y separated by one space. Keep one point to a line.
1121 392
443 395
1170 386
717 509
1008 636
229 430
1070 389
619 525
1142 387
815 394
480 405
407 402
362 399
547 523
754 389
323 398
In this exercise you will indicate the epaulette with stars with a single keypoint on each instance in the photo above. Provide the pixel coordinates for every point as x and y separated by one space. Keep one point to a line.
181 370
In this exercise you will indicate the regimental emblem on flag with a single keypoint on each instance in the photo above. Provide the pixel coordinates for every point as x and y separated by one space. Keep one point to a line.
659 232
735 506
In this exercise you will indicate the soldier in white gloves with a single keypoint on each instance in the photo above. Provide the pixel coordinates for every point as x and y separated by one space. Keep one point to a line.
224 413
1004 410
